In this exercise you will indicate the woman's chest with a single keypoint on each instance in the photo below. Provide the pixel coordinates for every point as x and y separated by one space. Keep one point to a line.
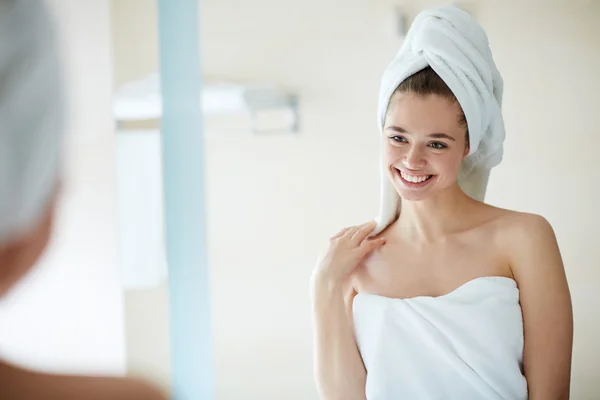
401 271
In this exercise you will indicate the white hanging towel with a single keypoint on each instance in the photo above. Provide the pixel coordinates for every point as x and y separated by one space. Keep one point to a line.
142 250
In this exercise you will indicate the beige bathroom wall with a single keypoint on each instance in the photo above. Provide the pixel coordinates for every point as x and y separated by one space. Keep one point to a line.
273 200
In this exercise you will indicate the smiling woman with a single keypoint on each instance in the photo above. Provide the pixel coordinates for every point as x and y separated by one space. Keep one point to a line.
444 296
425 136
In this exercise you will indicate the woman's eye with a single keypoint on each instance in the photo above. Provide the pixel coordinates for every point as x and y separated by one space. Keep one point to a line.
438 145
399 139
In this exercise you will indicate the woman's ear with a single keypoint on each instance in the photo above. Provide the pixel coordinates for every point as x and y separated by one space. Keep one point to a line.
467 149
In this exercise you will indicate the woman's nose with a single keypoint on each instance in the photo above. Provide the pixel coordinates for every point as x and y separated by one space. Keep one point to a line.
414 158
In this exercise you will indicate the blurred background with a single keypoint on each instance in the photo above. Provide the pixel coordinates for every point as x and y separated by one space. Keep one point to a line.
281 180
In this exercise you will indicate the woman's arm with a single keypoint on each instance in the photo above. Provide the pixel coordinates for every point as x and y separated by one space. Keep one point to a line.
538 268
339 370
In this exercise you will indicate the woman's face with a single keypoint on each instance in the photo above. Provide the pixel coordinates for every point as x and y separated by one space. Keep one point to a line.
424 144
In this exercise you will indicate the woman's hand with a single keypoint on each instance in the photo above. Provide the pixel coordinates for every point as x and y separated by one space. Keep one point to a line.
339 369
346 251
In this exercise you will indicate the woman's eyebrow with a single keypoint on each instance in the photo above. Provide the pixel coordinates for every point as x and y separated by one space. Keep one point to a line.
432 135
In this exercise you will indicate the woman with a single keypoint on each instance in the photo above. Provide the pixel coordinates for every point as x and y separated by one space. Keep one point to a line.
444 296
30 142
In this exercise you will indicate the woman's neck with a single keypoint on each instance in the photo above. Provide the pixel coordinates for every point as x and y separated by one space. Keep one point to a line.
433 219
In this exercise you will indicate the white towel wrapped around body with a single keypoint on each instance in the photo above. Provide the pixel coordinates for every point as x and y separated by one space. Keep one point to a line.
466 345
456 47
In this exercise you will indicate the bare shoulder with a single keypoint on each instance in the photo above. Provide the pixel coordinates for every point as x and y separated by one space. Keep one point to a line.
522 238
515 221
531 248
521 231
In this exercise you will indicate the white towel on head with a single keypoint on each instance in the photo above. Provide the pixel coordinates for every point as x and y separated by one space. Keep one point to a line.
456 47
30 115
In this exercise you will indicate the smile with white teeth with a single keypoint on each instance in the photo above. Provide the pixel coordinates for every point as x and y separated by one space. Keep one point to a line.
414 179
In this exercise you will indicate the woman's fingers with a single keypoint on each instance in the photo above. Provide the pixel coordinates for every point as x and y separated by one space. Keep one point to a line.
346 250
342 232
361 234
348 232
370 245
356 235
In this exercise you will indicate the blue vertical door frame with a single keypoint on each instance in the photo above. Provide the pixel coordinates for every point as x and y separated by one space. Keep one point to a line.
185 211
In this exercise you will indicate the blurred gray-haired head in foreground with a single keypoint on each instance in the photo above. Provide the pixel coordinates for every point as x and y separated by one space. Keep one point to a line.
31 133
